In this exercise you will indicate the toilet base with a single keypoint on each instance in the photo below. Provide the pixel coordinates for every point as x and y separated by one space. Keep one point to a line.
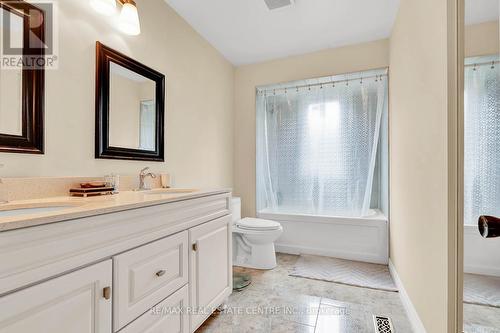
260 256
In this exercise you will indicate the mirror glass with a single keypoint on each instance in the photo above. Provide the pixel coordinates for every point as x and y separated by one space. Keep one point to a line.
132 114
481 185
11 78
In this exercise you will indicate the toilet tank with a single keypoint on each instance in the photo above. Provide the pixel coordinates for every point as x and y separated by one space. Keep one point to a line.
236 208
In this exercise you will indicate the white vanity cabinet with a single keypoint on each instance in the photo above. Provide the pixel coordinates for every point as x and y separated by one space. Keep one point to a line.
133 271
70 303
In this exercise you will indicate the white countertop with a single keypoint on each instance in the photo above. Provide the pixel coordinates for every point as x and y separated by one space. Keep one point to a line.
77 207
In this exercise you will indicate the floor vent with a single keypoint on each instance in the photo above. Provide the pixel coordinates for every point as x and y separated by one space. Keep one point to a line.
383 324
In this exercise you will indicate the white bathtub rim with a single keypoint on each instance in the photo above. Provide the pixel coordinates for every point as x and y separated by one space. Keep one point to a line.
376 219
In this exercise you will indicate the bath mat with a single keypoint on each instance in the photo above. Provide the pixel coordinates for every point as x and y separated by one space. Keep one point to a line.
349 272
482 290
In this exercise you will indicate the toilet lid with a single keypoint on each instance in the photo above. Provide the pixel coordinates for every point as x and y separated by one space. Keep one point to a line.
250 223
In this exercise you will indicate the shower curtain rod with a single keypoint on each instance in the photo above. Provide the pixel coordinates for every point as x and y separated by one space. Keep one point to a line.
485 63
326 83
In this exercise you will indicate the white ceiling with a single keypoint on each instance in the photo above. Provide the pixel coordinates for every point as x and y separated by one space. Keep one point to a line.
245 31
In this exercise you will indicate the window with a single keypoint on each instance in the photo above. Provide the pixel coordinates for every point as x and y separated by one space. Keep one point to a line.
319 145
481 134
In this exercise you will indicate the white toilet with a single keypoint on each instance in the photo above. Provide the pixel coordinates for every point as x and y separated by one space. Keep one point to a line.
253 240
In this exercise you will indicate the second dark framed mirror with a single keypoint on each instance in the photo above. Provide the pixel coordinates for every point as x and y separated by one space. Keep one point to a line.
22 77
130 108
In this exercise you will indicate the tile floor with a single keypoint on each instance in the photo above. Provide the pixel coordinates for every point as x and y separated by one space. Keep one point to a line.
481 319
278 303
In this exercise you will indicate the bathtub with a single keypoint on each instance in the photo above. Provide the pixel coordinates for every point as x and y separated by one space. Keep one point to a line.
481 255
354 238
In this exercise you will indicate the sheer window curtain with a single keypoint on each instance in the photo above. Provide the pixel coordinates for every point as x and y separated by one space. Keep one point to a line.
481 139
317 145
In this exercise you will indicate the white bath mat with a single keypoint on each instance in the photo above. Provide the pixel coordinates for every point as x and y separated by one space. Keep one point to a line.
349 272
482 290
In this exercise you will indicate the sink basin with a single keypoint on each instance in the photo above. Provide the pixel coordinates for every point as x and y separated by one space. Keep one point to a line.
18 211
170 191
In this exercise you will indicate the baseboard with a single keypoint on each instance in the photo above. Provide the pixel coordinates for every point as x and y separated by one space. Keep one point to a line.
349 255
483 270
416 323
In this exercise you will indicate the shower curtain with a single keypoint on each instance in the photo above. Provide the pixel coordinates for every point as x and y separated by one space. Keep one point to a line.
481 140
317 147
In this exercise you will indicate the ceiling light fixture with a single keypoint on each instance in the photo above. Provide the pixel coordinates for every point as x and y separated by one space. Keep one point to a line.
128 20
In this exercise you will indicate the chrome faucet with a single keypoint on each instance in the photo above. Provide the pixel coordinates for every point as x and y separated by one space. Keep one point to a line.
142 176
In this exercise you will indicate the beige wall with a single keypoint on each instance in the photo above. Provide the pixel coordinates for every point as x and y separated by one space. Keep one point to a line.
10 101
482 39
419 157
199 99
335 61
125 100
10 86
124 111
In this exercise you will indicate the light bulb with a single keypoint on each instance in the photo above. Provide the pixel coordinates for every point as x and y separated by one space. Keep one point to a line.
104 7
129 19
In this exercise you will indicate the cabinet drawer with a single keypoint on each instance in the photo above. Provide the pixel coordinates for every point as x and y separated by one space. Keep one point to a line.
144 276
169 316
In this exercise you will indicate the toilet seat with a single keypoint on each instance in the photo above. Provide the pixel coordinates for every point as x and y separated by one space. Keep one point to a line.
250 223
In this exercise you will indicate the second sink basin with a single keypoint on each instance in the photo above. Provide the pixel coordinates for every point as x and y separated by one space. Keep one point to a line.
20 210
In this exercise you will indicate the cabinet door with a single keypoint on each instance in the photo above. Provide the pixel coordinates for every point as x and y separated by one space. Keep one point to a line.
210 275
73 303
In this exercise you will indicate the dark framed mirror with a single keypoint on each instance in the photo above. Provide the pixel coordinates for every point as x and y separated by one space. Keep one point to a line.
130 108
22 77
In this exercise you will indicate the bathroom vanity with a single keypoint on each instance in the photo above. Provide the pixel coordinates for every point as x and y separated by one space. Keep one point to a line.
132 262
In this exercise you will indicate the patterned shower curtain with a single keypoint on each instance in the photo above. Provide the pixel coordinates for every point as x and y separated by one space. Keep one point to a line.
317 146
481 139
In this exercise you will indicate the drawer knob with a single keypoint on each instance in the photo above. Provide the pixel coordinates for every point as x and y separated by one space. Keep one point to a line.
161 272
